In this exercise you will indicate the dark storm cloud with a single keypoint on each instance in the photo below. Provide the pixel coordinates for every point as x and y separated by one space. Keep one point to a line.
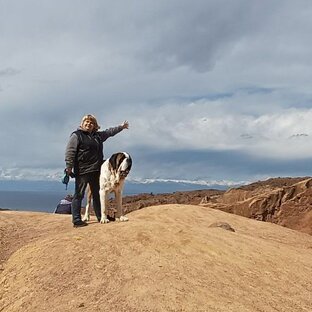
218 165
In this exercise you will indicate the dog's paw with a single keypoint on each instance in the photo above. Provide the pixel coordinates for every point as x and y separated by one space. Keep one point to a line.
122 219
86 218
104 220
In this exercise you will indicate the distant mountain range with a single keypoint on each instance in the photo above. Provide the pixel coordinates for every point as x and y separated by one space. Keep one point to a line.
131 186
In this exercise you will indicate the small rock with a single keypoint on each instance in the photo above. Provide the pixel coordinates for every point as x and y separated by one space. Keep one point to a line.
222 225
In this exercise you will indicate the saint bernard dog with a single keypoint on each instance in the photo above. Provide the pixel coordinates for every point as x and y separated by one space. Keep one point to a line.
112 178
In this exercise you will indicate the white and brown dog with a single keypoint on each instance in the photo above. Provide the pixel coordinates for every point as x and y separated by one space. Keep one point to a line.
112 178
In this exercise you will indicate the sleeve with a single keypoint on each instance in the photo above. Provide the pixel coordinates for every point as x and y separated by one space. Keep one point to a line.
104 135
71 150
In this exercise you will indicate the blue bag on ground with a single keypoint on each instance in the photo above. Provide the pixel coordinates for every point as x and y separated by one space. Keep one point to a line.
64 205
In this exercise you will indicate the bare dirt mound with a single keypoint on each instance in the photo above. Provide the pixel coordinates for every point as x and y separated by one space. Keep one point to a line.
166 258
287 203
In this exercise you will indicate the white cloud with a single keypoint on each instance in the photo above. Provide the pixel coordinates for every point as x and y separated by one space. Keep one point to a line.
201 125
30 174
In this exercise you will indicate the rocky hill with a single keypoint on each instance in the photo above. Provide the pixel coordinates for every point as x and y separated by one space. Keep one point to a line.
287 202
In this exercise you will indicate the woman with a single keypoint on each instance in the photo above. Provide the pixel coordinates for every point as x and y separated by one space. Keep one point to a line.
84 157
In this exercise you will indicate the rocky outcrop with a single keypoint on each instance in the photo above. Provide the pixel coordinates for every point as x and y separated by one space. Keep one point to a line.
288 205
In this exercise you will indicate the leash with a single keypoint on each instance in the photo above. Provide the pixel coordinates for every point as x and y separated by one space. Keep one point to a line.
66 178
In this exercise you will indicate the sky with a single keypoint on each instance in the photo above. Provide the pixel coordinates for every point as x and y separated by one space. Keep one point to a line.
213 90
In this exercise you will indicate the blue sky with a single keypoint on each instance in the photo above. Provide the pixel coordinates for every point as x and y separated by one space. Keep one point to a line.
213 90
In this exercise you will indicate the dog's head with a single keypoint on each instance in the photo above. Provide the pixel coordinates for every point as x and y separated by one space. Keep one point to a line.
121 164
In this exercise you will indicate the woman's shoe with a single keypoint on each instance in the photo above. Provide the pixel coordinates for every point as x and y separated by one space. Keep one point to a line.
80 223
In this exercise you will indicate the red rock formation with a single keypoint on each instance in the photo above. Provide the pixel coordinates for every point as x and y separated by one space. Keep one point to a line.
285 204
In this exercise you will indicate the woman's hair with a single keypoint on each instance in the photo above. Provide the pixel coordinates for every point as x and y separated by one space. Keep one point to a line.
93 119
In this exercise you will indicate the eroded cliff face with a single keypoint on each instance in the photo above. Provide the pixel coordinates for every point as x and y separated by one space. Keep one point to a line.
285 204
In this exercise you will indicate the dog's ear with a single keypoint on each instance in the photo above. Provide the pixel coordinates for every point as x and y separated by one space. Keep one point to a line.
116 159
112 161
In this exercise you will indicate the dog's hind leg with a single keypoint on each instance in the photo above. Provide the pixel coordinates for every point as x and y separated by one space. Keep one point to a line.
104 206
86 216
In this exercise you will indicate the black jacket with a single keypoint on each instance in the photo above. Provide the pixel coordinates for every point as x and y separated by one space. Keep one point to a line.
84 151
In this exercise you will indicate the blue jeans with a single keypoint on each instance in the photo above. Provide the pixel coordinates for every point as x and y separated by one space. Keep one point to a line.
81 182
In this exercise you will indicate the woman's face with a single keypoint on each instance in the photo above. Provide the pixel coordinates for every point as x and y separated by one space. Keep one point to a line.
88 125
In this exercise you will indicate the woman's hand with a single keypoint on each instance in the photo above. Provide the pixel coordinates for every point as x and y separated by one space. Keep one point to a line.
69 171
125 125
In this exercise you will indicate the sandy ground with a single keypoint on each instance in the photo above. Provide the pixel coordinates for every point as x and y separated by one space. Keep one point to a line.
166 258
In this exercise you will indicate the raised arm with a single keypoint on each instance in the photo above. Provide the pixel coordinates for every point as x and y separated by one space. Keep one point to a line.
113 130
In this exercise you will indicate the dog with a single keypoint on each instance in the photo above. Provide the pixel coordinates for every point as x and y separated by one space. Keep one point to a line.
114 171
